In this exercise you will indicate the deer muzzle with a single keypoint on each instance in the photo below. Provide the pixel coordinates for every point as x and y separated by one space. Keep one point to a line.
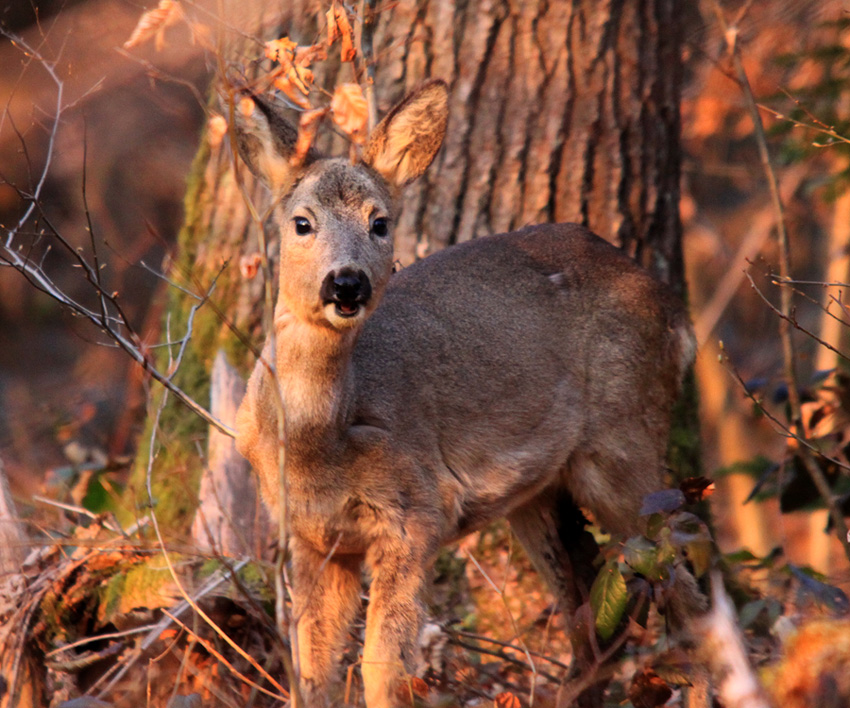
347 289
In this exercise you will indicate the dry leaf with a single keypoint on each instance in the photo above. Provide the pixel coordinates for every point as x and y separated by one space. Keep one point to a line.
307 128
202 35
249 265
350 111
649 690
304 56
420 688
216 129
339 26
281 50
294 86
696 489
333 28
153 23
246 106
507 699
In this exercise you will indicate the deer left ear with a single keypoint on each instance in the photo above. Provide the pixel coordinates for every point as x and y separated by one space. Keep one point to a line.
266 142
405 142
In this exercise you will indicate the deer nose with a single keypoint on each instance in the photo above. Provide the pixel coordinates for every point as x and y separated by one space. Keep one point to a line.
347 288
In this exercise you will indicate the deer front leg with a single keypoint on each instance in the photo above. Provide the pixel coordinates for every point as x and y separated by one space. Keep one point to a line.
393 619
326 596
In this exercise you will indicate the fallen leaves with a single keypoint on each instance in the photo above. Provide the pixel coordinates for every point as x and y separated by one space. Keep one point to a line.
506 699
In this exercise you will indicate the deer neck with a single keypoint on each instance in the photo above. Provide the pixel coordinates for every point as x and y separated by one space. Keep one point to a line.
313 367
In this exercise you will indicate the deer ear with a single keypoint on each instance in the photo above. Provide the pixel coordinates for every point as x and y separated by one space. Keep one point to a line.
266 141
405 142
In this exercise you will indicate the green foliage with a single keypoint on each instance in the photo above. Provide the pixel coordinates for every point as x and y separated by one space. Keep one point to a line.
147 585
608 599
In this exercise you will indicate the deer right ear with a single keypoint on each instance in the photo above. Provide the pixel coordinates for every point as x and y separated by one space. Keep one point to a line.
266 141
405 142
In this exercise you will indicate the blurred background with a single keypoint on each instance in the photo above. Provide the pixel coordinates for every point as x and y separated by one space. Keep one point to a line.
134 120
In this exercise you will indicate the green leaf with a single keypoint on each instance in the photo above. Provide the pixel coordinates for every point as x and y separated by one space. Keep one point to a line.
641 555
654 524
608 598
750 612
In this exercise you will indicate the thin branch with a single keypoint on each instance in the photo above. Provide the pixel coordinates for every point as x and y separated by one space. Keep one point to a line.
167 557
730 33
506 657
790 319
507 645
723 648
781 428
501 594
221 658
282 585
368 21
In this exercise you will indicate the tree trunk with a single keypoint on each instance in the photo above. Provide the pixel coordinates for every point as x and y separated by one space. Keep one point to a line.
566 110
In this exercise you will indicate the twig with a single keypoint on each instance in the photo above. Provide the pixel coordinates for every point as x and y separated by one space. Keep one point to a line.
791 320
218 655
368 20
730 33
98 638
282 585
167 557
507 645
724 651
507 657
782 429
571 690
501 594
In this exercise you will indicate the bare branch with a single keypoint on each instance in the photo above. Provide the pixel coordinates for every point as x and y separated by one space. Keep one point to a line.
730 33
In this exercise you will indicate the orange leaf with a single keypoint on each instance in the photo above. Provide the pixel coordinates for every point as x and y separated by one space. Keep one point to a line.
350 111
506 699
153 23
307 128
339 26
294 88
347 52
420 688
246 106
333 28
249 265
281 50
304 56
216 128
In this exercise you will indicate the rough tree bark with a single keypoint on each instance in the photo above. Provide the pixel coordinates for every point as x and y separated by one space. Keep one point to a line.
566 110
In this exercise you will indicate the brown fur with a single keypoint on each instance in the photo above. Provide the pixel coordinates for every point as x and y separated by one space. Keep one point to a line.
520 375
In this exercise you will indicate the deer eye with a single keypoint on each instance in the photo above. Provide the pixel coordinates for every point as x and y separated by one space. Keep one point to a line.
302 226
380 227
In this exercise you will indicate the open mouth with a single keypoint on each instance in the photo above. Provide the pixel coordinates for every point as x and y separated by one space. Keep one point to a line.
346 309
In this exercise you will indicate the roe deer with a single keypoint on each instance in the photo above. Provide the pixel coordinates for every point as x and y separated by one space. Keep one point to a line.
522 375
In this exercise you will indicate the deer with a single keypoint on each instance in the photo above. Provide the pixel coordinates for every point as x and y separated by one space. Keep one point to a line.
527 375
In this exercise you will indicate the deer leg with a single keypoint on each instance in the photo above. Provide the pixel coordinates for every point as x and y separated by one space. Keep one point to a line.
552 530
326 597
393 619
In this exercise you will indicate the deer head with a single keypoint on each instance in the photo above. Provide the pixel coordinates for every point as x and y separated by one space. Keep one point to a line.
336 218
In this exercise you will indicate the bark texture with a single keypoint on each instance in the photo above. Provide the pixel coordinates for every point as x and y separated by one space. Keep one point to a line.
566 110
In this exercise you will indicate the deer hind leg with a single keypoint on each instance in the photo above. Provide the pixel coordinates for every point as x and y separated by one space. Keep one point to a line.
393 619
326 597
551 528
